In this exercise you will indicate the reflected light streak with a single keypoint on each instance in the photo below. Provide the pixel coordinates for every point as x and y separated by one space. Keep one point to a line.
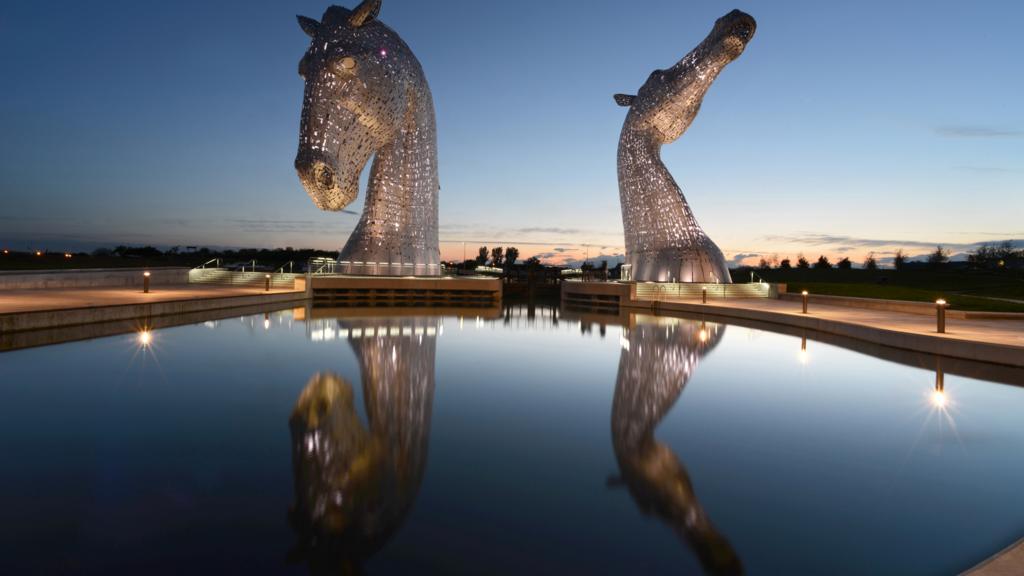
145 338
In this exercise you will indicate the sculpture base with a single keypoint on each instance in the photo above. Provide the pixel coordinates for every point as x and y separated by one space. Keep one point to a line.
387 269
358 258
450 292
703 266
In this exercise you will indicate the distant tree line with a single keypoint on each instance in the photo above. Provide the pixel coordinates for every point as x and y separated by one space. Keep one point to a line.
128 256
987 256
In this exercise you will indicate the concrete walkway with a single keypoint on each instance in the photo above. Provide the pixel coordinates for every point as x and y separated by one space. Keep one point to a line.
999 341
60 299
41 309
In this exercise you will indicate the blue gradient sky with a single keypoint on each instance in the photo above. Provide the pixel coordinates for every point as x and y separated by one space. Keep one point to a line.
845 128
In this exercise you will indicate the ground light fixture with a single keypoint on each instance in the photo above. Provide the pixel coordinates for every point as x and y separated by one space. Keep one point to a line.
940 315
39 252
145 282
267 278
806 296
704 294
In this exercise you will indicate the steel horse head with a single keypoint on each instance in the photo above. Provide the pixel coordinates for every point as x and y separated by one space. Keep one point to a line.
366 95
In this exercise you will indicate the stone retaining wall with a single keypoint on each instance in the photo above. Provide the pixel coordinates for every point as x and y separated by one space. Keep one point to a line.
98 278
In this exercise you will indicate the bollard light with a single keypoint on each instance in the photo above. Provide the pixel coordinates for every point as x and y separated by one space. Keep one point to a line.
940 315
267 277
704 294
145 282
806 296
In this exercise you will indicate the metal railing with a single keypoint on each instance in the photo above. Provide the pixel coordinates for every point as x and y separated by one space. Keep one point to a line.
289 265
654 291
321 266
207 263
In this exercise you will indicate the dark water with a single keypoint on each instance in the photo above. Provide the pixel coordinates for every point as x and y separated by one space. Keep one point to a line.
544 445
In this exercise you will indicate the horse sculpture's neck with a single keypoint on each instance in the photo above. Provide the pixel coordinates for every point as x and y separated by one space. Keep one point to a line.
652 194
664 242
397 233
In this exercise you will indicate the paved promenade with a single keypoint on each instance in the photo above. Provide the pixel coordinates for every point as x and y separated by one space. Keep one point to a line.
996 341
1007 332
22 310
16 301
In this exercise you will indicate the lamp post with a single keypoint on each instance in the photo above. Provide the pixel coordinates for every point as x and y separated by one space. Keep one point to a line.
704 295
940 315
267 278
145 282
806 297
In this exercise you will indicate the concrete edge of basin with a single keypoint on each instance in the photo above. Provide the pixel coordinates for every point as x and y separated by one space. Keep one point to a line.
918 342
57 318
1007 562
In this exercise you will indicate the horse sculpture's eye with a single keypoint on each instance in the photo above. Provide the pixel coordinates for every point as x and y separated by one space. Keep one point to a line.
347 63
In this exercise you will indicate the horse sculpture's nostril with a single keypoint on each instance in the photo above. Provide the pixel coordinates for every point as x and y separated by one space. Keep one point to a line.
323 176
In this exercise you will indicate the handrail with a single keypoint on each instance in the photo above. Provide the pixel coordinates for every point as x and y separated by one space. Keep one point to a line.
291 268
758 276
322 264
205 264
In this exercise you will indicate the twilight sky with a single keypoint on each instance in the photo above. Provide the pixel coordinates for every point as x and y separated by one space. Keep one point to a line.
845 128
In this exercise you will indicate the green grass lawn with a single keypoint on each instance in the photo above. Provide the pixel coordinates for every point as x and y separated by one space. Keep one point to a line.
956 301
963 289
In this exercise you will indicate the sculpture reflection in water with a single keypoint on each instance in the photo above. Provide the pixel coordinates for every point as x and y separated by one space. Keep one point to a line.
657 360
355 484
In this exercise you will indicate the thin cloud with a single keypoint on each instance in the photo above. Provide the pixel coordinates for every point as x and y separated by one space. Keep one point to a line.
969 131
851 241
248 225
549 230
738 259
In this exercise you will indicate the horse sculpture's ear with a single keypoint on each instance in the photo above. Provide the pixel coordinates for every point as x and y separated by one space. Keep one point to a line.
309 26
366 12
624 99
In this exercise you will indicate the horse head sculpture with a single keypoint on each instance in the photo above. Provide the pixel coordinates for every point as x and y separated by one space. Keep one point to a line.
366 95
663 239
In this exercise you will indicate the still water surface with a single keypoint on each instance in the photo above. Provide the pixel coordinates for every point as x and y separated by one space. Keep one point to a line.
540 443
